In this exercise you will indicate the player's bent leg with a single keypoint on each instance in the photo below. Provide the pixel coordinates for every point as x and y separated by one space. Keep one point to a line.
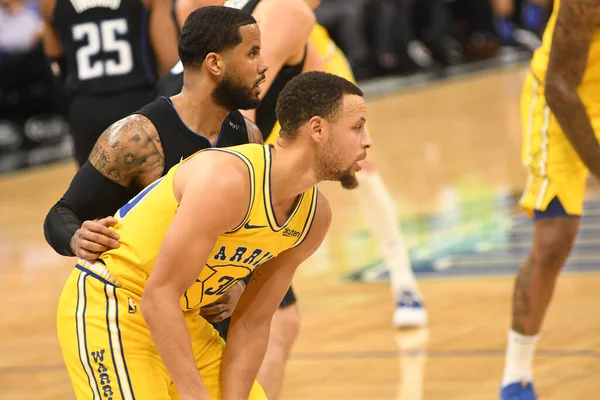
285 327
106 345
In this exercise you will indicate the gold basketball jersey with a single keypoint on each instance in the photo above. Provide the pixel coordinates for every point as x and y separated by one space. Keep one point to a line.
589 88
143 223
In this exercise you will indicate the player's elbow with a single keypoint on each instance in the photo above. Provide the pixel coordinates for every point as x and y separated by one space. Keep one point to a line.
150 304
558 90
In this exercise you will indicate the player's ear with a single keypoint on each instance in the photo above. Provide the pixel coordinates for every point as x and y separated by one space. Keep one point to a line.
214 63
317 128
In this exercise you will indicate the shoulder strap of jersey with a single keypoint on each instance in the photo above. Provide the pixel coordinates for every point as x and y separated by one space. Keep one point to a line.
251 179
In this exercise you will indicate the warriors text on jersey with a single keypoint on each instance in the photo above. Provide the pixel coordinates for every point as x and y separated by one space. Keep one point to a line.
144 221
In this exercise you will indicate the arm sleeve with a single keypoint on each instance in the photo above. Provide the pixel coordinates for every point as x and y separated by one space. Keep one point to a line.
91 195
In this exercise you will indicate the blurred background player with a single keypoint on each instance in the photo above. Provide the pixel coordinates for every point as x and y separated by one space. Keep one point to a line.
561 124
378 207
110 55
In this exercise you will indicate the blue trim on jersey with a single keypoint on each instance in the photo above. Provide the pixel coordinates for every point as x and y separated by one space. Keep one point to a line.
88 272
146 47
130 205
110 345
554 210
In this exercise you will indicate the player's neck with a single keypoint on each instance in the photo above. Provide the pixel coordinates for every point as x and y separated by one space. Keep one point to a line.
200 113
291 172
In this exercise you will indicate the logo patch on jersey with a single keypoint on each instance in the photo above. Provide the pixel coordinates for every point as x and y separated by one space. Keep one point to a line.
290 233
234 126
132 306
248 226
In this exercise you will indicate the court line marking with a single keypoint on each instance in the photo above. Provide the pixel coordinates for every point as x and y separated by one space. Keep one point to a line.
391 354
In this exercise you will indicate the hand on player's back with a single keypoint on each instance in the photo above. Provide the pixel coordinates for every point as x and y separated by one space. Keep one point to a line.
223 308
94 238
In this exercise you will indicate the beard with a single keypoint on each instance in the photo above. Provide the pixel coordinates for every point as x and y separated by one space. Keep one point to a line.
348 180
231 93
329 170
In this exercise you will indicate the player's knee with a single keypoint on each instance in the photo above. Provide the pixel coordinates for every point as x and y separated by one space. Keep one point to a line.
286 324
553 241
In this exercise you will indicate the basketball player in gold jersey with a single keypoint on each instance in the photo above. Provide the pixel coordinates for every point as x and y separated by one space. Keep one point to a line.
293 20
285 26
215 217
561 123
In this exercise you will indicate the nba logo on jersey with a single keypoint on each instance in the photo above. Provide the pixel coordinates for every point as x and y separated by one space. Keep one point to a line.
132 307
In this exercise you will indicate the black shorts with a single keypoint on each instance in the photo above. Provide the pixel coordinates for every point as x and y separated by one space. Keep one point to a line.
90 116
223 326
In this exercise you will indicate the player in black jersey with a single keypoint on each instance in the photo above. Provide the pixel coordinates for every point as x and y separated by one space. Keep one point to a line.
142 147
110 54
285 28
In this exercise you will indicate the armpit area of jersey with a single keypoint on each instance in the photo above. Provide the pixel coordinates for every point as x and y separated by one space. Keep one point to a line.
91 195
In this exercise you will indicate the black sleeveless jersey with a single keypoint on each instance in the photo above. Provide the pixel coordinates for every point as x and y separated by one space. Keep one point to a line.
107 45
265 113
179 142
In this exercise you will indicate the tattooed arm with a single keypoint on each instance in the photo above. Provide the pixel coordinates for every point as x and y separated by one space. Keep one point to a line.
129 152
126 157
573 33
254 133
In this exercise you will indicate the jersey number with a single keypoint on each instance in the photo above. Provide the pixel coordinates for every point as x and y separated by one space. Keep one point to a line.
226 282
102 37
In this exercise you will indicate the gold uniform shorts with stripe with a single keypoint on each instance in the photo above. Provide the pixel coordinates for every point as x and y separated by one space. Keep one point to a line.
335 62
554 168
108 349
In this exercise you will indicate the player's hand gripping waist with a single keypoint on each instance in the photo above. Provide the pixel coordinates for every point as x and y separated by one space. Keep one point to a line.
94 238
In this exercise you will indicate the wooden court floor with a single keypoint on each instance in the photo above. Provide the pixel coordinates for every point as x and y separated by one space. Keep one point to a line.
460 137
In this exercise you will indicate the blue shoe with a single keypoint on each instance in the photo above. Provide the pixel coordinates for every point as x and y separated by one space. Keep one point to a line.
410 311
518 391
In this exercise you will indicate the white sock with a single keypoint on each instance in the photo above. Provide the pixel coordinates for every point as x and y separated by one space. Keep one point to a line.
519 358
381 217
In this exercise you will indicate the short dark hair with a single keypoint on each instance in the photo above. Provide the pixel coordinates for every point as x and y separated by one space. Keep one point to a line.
210 29
311 94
